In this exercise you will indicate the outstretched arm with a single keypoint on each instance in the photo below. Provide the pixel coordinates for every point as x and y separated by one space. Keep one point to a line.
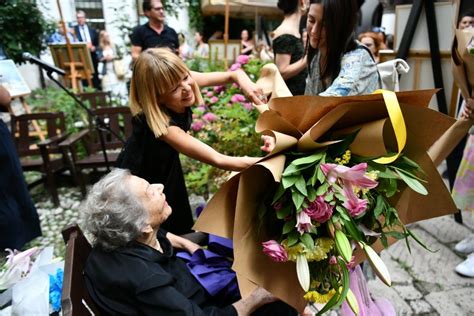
191 147
238 76
182 243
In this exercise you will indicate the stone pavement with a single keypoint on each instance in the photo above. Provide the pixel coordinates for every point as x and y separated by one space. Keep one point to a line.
425 283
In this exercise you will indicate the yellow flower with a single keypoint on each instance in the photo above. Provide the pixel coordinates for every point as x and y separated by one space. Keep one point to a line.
293 251
322 246
316 297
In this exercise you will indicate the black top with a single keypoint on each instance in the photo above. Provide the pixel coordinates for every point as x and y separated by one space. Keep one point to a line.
145 37
19 222
139 280
289 44
156 161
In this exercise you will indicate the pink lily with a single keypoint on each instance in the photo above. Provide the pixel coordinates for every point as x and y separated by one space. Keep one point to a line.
303 223
354 176
353 204
275 251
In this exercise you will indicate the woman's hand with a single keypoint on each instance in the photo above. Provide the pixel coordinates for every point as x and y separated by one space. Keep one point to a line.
250 89
268 143
182 243
468 112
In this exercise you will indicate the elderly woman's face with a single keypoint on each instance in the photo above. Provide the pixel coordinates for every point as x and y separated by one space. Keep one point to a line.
152 198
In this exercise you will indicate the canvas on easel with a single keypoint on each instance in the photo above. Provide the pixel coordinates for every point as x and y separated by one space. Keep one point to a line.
80 60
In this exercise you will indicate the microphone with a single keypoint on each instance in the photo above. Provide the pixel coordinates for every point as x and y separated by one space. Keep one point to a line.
49 68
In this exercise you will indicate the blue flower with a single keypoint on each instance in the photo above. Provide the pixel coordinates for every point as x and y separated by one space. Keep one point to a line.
55 288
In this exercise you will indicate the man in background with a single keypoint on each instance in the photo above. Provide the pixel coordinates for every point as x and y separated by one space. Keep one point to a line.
88 35
154 33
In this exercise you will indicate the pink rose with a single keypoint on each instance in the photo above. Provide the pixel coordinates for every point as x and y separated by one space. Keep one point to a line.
275 251
319 210
214 100
243 59
210 117
303 223
235 66
237 98
209 94
197 125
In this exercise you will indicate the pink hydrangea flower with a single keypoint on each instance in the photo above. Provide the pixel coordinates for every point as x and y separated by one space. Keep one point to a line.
210 117
235 66
237 98
218 89
275 251
354 176
353 204
214 100
197 125
209 94
243 59
247 105
303 223
201 108
319 210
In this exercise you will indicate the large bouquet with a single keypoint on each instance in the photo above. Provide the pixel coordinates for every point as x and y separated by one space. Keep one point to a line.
346 172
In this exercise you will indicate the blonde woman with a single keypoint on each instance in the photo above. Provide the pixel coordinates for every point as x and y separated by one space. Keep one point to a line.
162 92
112 79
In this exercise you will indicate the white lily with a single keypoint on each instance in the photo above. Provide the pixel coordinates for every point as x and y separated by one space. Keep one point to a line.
302 271
377 264
352 302
16 268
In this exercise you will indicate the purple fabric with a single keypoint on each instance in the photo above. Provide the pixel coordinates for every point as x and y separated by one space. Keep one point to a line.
212 268
367 306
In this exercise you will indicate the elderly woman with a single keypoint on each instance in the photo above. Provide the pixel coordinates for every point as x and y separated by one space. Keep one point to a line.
132 268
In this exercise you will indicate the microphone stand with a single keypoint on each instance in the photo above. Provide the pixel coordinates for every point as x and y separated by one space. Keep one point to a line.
99 125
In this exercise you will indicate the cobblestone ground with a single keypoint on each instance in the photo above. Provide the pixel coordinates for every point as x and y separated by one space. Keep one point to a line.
424 283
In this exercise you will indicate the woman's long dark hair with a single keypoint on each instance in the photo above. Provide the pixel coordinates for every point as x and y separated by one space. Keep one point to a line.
339 20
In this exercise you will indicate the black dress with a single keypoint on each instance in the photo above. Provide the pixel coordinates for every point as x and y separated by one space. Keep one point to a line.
156 161
19 222
289 44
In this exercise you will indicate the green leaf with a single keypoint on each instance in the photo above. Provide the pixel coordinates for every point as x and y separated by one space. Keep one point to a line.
387 174
278 194
289 226
292 169
289 181
329 197
293 238
414 184
379 206
342 211
307 240
419 241
323 188
300 184
311 194
284 212
297 198
352 229
395 234
345 282
320 175
308 159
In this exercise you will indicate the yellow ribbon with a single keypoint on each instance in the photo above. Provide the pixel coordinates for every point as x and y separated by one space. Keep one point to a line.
398 124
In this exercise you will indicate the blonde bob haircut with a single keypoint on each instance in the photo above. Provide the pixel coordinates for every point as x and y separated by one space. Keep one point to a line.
156 72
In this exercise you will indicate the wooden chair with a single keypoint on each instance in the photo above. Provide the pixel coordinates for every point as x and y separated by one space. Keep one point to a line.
119 119
43 156
98 99
75 299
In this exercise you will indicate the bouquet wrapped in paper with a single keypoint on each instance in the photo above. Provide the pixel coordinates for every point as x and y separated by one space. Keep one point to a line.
346 175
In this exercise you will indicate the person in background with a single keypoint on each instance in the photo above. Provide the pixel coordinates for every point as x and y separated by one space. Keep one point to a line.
136 258
247 43
58 36
264 52
112 79
288 46
339 66
162 92
89 36
201 50
463 188
154 33
372 41
185 51
380 32
19 222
